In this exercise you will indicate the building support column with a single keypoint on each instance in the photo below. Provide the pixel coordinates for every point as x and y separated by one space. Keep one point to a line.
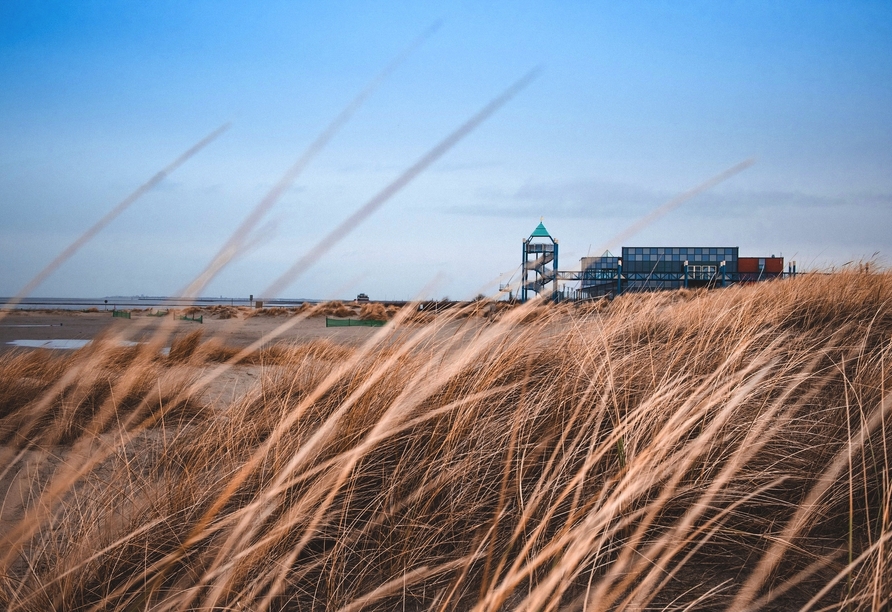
619 276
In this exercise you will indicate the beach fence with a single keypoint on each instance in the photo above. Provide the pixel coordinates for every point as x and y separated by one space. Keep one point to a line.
123 314
198 319
353 323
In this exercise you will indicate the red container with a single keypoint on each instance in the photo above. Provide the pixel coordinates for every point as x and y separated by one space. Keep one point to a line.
774 265
748 265
765 265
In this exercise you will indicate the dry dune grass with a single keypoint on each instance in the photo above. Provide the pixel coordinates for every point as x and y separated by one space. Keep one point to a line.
374 312
224 312
270 312
49 400
333 309
687 450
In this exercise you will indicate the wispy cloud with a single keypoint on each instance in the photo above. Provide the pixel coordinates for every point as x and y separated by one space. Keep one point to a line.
744 203
586 199
463 166
602 199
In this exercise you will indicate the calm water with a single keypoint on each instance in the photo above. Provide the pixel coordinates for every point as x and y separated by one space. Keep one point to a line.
128 302
63 343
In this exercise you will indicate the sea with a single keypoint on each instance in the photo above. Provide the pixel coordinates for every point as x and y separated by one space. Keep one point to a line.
126 302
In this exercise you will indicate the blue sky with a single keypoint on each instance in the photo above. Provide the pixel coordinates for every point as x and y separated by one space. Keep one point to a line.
636 103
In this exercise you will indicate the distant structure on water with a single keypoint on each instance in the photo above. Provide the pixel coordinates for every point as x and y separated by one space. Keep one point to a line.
639 269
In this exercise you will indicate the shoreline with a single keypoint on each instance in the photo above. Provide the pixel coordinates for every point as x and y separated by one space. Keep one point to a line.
237 332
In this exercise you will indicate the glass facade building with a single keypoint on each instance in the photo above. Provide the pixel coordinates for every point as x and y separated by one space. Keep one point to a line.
656 268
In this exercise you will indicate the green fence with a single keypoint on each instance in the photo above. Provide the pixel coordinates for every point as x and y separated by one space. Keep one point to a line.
352 323
198 319
124 314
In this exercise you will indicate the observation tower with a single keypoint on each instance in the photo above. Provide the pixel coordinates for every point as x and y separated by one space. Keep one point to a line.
540 264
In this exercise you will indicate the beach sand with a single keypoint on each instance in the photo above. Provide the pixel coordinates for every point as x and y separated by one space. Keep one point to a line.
238 332
60 331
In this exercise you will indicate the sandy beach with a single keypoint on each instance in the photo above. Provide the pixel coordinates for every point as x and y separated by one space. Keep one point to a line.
61 332
46 326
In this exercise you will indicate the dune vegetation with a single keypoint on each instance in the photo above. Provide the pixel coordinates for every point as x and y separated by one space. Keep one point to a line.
721 450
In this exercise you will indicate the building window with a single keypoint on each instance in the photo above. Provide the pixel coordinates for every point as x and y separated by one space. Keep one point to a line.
701 272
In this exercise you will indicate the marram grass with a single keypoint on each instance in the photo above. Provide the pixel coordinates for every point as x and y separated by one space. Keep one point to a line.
723 450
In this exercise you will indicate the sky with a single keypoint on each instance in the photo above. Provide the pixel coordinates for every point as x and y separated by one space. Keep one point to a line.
635 103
